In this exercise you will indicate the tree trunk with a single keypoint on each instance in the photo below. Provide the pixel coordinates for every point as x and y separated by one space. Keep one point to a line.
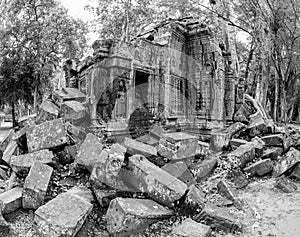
35 99
13 114
276 99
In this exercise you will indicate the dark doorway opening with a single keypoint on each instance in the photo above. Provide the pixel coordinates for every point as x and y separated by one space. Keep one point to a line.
141 87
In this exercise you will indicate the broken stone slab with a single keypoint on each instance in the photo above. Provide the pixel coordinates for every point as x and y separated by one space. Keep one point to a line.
149 178
203 169
235 128
126 216
259 168
227 191
104 197
22 163
36 185
49 134
273 153
235 143
180 171
10 150
238 178
219 219
194 202
286 162
243 154
11 199
296 172
218 141
190 228
157 132
273 140
182 145
73 110
147 139
259 126
135 147
285 184
107 170
89 152
65 214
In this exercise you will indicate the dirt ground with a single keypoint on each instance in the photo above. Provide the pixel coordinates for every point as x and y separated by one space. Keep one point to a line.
269 212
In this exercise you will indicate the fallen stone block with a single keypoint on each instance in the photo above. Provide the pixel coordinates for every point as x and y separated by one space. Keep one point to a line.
73 110
11 199
190 228
135 147
258 125
147 139
180 171
259 168
218 141
157 132
64 215
126 216
104 197
273 153
76 133
273 140
203 169
89 152
181 144
219 219
227 191
235 143
147 177
49 134
243 114
68 155
286 185
10 150
296 172
235 128
36 185
286 162
21 164
238 178
107 170
243 154
194 202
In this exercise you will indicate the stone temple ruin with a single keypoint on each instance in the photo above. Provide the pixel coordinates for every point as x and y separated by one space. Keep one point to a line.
181 72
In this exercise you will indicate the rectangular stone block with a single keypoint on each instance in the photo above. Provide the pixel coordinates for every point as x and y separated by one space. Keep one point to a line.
286 162
22 163
235 129
285 184
138 148
36 185
157 132
219 219
147 177
126 216
235 143
273 140
180 171
12 200
149 140
49 134
243 154
190 228
10 150
203 169
89 152
273 153
64 215
260 168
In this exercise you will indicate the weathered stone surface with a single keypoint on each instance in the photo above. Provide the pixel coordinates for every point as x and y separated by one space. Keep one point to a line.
149 140
76 133
219 219
194 202
107 170
235 143
22 163
89 152
260 168
227 191
104 197
73 110
296 172
259 145
202 149
286 185
273 140
244 154
63 215
36 185
4 225
238 178
243 114
147 177
218 141
10 150
180 171
258 125
235 129
126 216
190 228
286 162
49 134
181 145
157 132
273 153
12 200
203 169
136 147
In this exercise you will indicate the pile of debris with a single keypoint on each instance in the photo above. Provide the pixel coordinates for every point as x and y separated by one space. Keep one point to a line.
64 173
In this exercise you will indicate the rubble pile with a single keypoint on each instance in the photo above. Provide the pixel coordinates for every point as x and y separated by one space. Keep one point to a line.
164 182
